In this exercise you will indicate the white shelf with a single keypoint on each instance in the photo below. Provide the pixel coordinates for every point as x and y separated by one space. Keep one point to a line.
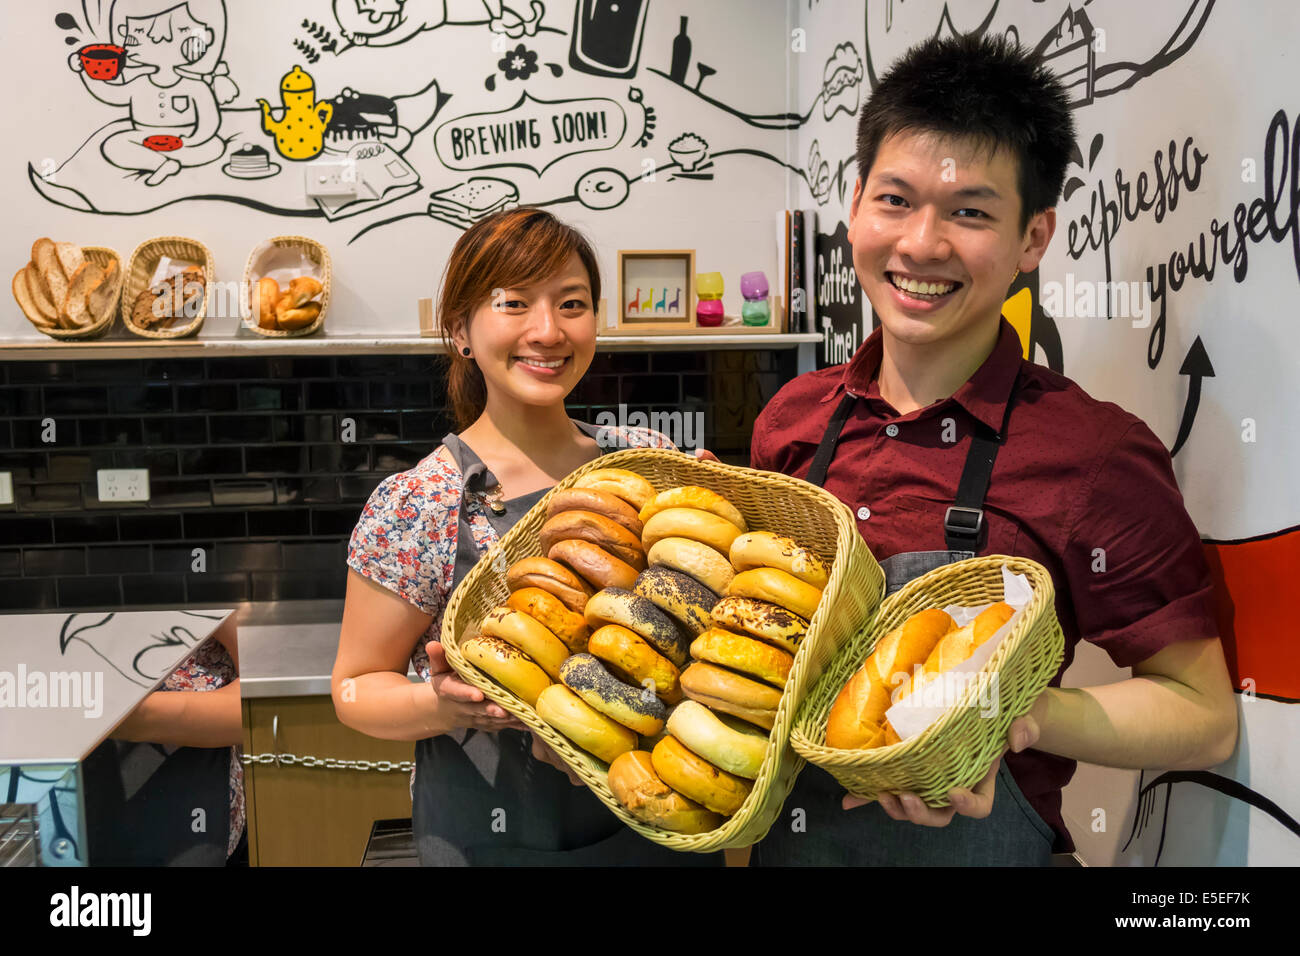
120 344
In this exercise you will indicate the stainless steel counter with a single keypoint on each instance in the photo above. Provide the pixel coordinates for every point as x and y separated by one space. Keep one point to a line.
287 648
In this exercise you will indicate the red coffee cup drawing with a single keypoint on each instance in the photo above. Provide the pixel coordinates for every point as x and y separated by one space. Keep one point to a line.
102 61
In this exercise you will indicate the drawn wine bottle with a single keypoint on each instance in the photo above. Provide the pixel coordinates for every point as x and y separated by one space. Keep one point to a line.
681 56
607 36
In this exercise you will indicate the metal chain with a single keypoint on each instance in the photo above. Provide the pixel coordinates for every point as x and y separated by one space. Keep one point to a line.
330 763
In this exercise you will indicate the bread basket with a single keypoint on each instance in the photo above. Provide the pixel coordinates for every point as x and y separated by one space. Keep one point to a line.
100 256
140 271
958 748
769 502
312 250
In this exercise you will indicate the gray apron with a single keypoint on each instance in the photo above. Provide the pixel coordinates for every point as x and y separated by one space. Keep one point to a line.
141 800
482 799
825 834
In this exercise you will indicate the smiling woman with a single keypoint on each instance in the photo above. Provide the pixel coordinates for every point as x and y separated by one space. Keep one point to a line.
517 309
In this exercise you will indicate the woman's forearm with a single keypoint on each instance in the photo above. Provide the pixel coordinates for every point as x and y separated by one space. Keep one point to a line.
387 705
186 718
1142 722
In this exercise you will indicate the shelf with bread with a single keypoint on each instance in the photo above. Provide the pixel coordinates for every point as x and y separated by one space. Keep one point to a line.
657 619
953 689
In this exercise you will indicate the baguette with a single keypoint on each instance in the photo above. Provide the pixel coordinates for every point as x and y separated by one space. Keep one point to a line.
856 716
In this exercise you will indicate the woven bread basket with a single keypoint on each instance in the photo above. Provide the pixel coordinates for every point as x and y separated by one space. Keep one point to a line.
141 268
958 748
769 502
314 251
100 256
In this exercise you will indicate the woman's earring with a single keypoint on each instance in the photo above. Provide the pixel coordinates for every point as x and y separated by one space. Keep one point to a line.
465 351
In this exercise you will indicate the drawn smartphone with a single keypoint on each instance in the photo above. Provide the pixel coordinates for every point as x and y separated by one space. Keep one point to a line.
607 36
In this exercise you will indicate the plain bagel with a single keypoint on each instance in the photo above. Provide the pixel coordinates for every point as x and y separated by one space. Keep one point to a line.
707 565
550 612
601 502
552 577
778 587
730 693
702 526
593 564
735 747
599 530
643 794
744 654
589 729
631 657
697 779
693 496
625 484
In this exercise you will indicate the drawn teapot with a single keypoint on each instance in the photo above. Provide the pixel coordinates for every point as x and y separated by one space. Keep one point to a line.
300 132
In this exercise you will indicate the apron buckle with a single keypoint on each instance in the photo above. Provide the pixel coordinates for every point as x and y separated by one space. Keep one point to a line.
973 515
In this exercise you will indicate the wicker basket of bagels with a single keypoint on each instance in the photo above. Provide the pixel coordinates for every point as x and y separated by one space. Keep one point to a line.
657 619
922 698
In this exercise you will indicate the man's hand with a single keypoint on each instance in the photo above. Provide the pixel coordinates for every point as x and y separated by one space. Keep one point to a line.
543 752
976 802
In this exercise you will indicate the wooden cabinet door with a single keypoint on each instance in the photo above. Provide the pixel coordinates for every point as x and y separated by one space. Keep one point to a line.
312 816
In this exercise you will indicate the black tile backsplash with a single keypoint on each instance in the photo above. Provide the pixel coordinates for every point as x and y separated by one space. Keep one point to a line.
253 489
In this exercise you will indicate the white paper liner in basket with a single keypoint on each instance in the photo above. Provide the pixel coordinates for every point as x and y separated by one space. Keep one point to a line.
280 262
936 696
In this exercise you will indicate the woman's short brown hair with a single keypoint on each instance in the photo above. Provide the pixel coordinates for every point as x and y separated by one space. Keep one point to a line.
507 249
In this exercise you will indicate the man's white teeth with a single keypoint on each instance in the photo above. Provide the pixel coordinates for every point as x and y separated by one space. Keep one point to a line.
535 364
921 288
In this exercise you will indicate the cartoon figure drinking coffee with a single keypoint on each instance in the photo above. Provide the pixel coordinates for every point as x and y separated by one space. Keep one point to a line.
164 63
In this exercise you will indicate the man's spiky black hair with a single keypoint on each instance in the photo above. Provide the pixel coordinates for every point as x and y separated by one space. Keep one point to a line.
988 90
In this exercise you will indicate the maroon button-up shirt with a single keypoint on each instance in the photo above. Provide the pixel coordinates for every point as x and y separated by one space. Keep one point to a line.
1080 486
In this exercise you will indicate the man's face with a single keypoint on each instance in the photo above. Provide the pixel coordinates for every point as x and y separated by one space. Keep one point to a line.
943 220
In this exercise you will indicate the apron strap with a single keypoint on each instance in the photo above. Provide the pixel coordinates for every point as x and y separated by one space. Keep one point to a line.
963 522
826 448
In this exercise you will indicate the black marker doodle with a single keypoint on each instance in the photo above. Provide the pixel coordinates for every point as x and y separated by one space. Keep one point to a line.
1225 785
1196 366
382 23
647 117
606 38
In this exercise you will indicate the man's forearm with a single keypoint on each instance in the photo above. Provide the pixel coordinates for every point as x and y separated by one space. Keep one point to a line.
1141 722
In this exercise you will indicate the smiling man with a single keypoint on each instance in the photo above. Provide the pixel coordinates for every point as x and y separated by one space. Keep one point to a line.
946 443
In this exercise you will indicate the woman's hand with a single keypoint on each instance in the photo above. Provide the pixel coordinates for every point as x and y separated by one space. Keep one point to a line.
543 752
460 704
703 454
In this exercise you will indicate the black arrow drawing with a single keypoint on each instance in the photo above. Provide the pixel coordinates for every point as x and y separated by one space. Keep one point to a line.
1197 366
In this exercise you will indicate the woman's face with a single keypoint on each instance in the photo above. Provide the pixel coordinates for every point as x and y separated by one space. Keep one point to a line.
534 343
166 40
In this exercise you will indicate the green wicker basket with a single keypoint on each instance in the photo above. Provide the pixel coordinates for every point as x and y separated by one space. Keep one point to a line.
958 748
769 502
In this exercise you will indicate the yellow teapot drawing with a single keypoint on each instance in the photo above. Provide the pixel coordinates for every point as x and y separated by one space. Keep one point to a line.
300 132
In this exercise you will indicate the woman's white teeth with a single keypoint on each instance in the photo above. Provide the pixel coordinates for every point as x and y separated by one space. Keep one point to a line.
921 288
536 364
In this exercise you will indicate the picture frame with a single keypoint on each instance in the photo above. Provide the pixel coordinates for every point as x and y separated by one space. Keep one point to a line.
663 283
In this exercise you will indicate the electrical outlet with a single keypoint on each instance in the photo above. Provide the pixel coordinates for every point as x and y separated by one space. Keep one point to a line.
123 484
331 178
6 487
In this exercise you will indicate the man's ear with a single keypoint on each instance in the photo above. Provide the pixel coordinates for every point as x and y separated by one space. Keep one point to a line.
1038 234
853 206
